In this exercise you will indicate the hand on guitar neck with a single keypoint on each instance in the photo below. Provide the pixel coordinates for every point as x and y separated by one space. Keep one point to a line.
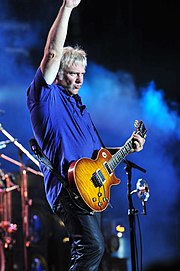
138 142
138 137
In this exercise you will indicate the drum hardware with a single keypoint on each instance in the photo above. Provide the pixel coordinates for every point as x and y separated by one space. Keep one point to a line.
7 228
15 162
25 201
17 144
2 257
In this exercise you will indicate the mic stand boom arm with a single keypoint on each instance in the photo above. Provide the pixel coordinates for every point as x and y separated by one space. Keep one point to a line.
17 144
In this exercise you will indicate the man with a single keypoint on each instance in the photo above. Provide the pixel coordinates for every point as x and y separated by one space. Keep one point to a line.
64 131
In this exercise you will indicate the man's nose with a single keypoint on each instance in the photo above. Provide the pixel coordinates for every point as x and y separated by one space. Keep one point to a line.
79 78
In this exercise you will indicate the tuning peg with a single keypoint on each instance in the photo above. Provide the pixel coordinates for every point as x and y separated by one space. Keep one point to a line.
136 123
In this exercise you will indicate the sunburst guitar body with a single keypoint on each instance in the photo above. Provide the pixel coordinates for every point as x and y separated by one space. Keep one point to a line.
93 180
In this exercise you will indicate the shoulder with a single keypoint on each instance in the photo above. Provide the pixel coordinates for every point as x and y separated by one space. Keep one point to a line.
39 89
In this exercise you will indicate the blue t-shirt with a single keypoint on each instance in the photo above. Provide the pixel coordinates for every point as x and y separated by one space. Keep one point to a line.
63 129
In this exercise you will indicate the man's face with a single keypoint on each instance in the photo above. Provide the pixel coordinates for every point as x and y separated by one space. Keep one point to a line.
73 78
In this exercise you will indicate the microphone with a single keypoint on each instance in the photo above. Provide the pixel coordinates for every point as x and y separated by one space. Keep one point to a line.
4 143
142 189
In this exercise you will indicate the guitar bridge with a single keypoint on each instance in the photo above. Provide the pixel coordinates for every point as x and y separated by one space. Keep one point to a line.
98 178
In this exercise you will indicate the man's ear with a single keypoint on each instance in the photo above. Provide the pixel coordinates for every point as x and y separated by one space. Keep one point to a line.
59 75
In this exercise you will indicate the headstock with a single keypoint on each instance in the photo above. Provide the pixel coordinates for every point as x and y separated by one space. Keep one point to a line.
140 128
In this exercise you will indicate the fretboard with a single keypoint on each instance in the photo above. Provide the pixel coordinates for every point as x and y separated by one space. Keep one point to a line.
119 155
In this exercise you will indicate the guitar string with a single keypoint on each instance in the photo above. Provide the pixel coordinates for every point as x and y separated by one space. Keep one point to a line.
102 168
120 155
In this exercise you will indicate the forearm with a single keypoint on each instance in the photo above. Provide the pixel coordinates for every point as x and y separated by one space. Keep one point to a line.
55 43
57 34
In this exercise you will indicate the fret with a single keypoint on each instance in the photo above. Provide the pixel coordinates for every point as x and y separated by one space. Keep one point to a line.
126 149
119 155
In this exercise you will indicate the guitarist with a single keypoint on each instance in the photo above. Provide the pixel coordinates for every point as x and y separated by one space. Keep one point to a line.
64 131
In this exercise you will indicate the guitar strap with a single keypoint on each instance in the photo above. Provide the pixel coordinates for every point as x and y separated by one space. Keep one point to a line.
47 163
78 100
98 134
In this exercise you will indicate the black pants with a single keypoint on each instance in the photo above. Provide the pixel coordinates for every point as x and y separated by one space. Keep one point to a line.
87 242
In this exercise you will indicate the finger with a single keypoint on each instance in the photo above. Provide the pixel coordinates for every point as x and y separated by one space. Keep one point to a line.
137 146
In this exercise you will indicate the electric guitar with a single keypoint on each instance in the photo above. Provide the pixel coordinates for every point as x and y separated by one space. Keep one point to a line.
92 179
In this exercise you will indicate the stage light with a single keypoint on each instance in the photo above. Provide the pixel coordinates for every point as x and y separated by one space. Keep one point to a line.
37 226
38 263
120 228
65 240
119 234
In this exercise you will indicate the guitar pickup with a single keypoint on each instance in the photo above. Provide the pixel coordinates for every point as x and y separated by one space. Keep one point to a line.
98 178
107 167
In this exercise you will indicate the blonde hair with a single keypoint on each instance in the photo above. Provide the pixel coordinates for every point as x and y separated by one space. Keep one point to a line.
72 56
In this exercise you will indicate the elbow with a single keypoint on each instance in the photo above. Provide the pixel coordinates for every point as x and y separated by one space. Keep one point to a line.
52 52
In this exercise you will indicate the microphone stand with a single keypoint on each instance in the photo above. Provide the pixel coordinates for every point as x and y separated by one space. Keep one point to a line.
131 210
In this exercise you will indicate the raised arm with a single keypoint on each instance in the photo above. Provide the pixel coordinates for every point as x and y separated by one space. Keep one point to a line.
55 41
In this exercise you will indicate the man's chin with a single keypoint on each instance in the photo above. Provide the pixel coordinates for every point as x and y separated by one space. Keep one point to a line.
75 90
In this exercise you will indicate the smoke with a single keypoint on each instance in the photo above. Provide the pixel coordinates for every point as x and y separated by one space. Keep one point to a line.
17 40
115 103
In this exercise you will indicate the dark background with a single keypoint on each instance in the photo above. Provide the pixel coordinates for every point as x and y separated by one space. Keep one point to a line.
141 37
130 44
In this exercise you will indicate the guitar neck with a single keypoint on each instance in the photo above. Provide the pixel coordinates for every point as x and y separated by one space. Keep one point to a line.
120 155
